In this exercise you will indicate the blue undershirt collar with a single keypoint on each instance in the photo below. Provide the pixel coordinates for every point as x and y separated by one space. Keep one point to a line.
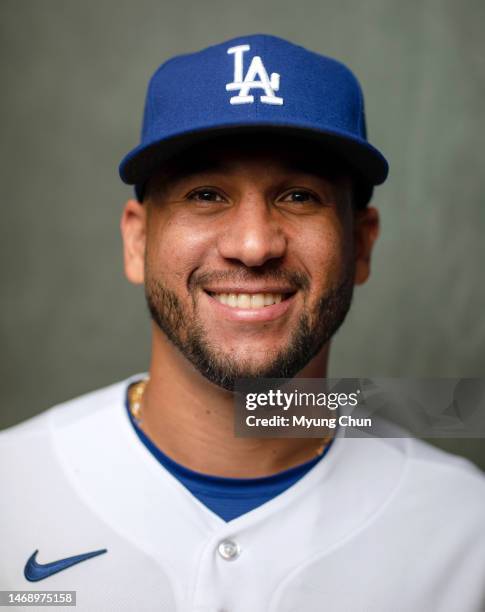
226 497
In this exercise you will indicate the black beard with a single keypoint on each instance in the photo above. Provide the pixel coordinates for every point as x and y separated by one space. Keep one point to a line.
312 331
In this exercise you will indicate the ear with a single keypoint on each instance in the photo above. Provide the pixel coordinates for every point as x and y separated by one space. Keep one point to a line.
133 232
366 230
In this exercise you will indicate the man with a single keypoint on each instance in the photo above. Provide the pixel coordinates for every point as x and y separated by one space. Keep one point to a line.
250 228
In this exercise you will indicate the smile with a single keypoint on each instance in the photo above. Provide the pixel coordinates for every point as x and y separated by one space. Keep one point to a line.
256 307
249 300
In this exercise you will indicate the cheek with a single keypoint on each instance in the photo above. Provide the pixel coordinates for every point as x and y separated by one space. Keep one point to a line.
324 250
175 249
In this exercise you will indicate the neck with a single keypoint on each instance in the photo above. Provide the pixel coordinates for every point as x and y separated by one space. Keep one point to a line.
192 420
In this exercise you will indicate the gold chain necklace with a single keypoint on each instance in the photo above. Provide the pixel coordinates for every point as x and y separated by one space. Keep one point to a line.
135 399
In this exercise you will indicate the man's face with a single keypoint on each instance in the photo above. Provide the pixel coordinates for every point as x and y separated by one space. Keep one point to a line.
249 259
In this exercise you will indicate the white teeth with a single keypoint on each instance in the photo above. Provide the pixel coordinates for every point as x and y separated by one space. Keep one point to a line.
245 300
257 300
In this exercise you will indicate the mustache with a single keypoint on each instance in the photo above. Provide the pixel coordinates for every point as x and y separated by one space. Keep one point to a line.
294 278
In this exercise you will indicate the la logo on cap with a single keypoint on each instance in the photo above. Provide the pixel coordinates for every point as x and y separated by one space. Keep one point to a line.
256 78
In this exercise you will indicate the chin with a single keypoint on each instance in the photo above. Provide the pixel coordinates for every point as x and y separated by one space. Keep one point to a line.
252 357
254 369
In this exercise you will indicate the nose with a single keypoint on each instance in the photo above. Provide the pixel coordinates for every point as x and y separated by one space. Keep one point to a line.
253 235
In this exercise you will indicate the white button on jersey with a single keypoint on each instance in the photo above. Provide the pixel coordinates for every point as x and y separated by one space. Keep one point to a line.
229 550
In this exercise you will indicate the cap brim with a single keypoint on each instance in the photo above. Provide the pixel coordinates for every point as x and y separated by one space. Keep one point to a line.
142 162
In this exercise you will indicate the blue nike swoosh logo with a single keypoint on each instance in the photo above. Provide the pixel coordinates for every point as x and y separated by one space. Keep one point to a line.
34 571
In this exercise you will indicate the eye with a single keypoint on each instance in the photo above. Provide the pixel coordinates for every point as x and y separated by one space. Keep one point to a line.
300 196
205 194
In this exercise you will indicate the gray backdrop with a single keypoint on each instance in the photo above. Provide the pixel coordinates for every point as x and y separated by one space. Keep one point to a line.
73 78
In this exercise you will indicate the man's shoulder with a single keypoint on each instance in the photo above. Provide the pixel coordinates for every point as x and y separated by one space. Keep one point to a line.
66 415
48 451
427 457
437 479
414 480
423 457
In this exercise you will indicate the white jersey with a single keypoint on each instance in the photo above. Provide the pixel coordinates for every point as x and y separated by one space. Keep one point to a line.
377 525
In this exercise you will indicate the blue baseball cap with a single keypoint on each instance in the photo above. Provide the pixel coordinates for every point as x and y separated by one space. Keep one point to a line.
256 83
